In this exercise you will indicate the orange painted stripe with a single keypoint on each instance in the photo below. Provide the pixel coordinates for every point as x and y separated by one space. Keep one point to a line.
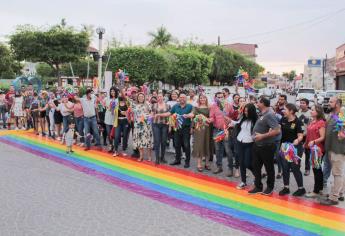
279 202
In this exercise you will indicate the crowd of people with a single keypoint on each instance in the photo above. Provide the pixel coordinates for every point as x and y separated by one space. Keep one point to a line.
249 132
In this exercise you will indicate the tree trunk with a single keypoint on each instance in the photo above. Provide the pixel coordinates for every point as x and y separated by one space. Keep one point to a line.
57 74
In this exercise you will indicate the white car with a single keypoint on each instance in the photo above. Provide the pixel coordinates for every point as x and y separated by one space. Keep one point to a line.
279 91
308 93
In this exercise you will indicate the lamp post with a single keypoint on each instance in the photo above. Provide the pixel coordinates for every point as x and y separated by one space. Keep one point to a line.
100 31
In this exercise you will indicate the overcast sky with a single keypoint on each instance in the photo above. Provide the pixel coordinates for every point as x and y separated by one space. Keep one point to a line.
287 32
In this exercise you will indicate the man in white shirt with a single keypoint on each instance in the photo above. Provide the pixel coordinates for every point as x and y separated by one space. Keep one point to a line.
90 119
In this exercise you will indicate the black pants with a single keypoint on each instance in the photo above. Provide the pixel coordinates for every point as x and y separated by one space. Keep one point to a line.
182 138
245 155
48 123
318 175
307 160
295 169
263 155
160 134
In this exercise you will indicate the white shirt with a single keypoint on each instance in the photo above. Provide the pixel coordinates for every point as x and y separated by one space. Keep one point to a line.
245 135
88 107
63 109
109 117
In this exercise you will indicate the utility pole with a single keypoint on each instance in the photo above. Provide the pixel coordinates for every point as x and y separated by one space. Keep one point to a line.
324 67
100 31
218 40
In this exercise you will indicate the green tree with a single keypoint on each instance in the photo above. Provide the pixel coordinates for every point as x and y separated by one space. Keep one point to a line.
9 67
226 64
161 38
55 46
187 66
290 75
141 64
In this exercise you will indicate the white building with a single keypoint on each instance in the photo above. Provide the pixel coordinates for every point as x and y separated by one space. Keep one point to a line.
313 74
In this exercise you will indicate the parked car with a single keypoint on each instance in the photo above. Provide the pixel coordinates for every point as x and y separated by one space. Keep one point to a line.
279 91
320 97
329 94
308 93
266 92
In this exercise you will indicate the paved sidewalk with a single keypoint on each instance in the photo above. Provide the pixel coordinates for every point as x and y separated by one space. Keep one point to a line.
40 197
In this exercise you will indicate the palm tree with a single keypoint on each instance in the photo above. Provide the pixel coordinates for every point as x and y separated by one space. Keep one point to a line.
161 38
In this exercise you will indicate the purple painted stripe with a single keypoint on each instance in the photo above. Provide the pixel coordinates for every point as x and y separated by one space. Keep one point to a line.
176 203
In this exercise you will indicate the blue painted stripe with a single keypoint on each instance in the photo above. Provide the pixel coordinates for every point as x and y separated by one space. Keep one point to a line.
277 226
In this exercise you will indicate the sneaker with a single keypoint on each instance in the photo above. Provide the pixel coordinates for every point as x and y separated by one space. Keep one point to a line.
241 185
284 191
328 202
299 193
23 128
255 190
218 170
279 176
312 195
237 173
16 128
341 199
307 172
268 191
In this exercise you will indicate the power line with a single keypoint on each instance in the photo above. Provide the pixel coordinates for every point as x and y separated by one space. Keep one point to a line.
314 21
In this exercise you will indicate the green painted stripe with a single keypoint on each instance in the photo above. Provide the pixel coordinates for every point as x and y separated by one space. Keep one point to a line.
315 228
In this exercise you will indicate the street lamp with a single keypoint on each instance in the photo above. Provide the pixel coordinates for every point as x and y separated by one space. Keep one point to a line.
100 31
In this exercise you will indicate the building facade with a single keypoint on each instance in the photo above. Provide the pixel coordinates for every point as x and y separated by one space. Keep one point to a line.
340 67
330 73
313 74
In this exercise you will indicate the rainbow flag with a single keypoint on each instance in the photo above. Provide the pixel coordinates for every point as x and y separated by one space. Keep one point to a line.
208 197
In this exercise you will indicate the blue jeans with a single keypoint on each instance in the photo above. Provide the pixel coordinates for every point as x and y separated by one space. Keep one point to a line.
245 155
222 146
3 114
90 123
278 157
79 123
65 123
160 135
327 167
122 128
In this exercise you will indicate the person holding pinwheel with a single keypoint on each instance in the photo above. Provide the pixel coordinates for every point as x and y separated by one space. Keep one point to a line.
335 149
315 148
291 149
220 113
180 120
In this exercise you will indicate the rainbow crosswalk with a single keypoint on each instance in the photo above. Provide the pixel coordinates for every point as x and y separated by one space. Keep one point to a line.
208 197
